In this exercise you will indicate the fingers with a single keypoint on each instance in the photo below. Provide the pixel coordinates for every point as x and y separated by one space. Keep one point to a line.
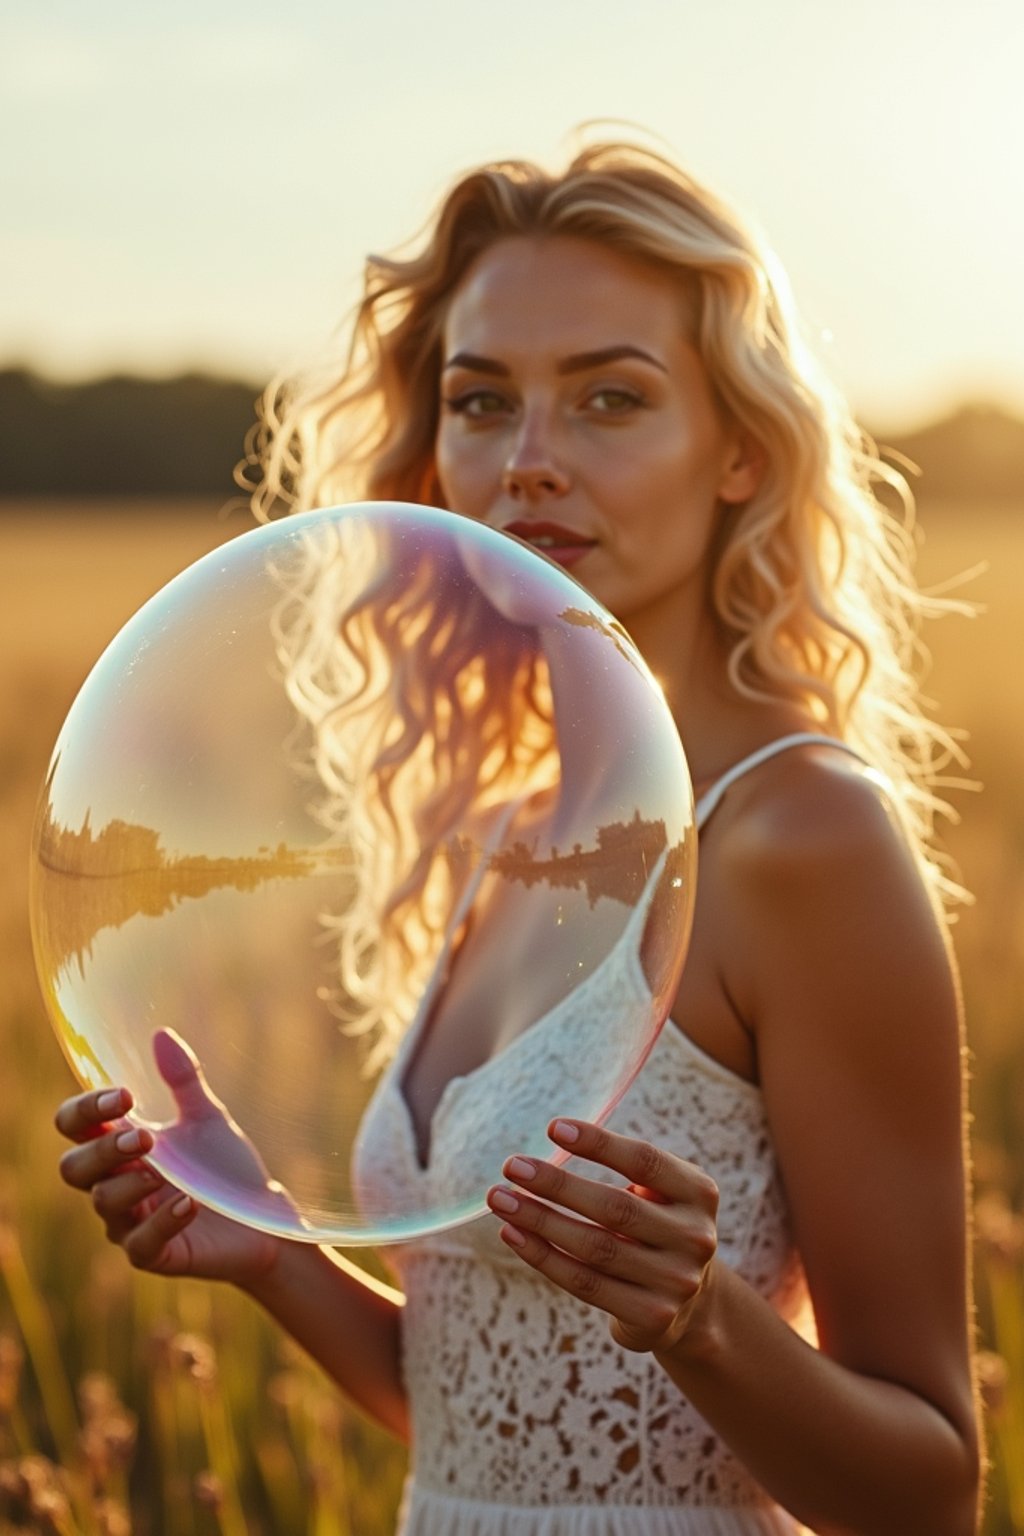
140 1210
647 1167
640 1253
119 1194
117 1200
87 1114
618 1210
579 1279
646 1317
649 1211
623 1235
103 1154
84 1117
150 1244
179 1067
594 1245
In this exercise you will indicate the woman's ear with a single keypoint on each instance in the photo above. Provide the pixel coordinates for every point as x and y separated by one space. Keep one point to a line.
744 468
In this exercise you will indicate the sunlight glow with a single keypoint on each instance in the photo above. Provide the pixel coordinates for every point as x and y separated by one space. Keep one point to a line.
202 189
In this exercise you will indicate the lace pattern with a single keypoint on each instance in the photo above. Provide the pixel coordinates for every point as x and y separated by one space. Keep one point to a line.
518 1391
430 1514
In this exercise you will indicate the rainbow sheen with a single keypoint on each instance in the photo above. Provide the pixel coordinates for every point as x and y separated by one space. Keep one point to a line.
303 769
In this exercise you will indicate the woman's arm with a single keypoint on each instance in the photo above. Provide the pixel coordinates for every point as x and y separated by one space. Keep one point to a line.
838 957
349 1323
845 967
847 1454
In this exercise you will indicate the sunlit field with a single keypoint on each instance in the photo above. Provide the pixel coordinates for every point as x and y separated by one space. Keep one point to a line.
130 1404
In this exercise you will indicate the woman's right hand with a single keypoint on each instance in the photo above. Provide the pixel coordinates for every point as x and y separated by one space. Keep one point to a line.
159 1228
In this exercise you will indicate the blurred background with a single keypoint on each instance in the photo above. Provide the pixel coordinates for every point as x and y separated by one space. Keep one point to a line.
186 198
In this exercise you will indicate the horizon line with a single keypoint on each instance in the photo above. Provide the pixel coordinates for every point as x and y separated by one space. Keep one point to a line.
973 401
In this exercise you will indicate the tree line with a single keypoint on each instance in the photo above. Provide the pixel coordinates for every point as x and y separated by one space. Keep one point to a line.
122 436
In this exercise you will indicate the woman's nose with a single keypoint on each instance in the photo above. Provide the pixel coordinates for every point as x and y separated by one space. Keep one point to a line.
532 471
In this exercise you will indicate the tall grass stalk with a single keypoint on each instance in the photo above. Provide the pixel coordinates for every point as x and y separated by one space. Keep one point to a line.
1005 1285
36 1329
223 1458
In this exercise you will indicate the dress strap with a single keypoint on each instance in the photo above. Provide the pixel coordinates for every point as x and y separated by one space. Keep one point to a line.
712 798
493 841
461 911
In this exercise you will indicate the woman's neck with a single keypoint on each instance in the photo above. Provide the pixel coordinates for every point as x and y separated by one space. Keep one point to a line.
688 654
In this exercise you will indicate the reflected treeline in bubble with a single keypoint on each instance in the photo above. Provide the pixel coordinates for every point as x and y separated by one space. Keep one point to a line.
618 866
95 880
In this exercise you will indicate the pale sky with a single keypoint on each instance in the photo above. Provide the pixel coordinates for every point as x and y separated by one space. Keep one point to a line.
197 184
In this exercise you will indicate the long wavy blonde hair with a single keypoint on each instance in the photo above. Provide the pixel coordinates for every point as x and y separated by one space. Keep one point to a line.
430 712
811 578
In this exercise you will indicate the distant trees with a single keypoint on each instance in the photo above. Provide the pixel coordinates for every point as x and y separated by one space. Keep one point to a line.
122 436
976 455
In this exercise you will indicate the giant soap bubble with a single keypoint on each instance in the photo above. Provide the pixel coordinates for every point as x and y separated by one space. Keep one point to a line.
357 810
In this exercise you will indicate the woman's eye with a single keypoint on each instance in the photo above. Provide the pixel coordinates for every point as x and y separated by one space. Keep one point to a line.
477 403
614 402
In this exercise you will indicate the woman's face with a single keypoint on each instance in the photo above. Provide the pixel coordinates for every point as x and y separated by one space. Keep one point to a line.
576 414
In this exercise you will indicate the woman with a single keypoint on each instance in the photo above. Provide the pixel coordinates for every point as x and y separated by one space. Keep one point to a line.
604 361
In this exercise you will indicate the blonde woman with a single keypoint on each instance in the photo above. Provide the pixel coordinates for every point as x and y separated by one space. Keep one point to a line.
604 360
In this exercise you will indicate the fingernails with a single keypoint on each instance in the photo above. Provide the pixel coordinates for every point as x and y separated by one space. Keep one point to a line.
514 1236
109 1103
519 1168
129 1141
564 1132
504 1200
182 1206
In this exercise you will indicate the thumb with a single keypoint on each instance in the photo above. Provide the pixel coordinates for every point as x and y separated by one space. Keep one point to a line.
179 1067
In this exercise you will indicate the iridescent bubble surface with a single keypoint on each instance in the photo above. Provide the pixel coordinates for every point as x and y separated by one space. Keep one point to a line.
337 767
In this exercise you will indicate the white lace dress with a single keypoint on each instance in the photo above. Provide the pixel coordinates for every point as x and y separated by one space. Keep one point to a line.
528 1420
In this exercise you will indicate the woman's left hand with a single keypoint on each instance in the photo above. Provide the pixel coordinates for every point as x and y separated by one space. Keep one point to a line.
642 1254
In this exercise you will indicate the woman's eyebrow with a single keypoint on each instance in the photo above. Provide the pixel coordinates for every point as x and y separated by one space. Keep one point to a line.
477 364
578 363
584 360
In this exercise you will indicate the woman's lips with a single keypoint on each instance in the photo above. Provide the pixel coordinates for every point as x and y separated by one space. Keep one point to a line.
560 544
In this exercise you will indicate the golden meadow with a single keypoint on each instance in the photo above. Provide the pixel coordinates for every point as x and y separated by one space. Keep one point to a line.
131 1404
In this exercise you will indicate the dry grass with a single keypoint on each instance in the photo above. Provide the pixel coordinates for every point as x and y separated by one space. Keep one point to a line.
131 1404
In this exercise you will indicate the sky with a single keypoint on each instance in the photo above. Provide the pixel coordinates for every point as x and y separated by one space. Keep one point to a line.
197 185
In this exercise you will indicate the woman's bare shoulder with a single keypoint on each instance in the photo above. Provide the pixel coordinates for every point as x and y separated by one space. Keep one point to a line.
818 869
827 898
807 810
